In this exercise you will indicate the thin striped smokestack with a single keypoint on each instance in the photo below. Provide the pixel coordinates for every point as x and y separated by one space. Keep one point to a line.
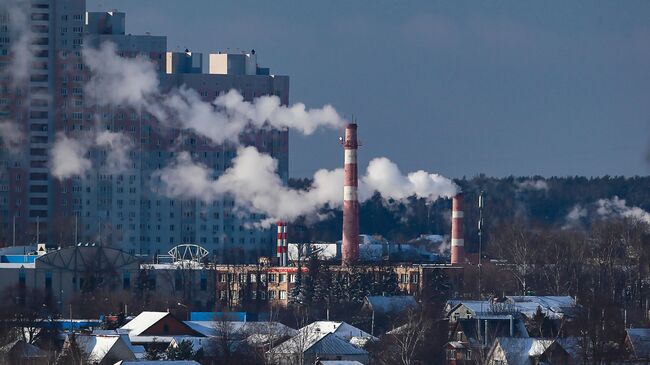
457 230
282 244
285 245
350 245
279 243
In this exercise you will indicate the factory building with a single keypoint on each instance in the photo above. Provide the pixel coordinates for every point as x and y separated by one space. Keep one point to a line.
68 275
122 210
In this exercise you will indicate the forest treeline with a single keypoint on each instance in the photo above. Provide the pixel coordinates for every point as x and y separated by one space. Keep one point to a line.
538 202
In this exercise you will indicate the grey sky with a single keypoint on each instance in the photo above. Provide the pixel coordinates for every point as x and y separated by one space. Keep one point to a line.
458 88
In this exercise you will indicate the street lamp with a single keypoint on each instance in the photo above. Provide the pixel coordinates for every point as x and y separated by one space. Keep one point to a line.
186 308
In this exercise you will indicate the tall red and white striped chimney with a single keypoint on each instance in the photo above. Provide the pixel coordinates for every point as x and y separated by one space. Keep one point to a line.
350 245
285 246
279 243
457 230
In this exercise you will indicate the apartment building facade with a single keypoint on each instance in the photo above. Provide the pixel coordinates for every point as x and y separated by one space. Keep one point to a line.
121 210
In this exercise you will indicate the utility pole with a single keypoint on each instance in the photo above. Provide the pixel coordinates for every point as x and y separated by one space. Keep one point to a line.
480 240
76 229
14 232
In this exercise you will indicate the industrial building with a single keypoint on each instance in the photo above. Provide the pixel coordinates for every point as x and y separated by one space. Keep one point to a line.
68 275
119 210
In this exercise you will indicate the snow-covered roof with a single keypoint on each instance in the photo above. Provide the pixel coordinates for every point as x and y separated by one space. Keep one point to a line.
553 306
640 341
519 350
244 329
361 342
456 344
98 346
474 306
391 304
23 349
143 321
432 237
317 342
197 342
158 362
573 347
138 351
341 329
339 362
151 339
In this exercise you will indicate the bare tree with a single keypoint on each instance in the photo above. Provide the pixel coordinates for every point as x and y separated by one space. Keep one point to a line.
403 344
72 353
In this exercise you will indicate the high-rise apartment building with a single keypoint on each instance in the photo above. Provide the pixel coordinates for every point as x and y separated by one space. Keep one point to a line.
124 209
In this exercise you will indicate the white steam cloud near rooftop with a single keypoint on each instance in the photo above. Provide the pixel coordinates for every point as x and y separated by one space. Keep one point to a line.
133 82
253 182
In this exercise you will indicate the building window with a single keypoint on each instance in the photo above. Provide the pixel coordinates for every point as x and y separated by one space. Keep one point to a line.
48 280
272 278
415 278
451 354
272 294
292 278
253 278
403 278
21 279
126 280
204 281
283 294
283 278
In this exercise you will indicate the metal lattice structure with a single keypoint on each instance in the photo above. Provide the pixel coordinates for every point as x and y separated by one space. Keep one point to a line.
188 252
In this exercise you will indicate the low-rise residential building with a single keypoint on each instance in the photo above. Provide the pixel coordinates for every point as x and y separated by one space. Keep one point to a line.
103 349
526 351
471 339
637 343
307 347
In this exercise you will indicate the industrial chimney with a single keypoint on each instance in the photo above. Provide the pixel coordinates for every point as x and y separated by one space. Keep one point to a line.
282 244
350 245
457 230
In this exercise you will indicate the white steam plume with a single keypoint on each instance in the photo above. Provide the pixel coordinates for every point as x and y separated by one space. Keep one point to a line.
21 40
614 208
119 146
539 184
117 80
11 136
68 157
384 177
253 182
69 154
133 82
617 208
